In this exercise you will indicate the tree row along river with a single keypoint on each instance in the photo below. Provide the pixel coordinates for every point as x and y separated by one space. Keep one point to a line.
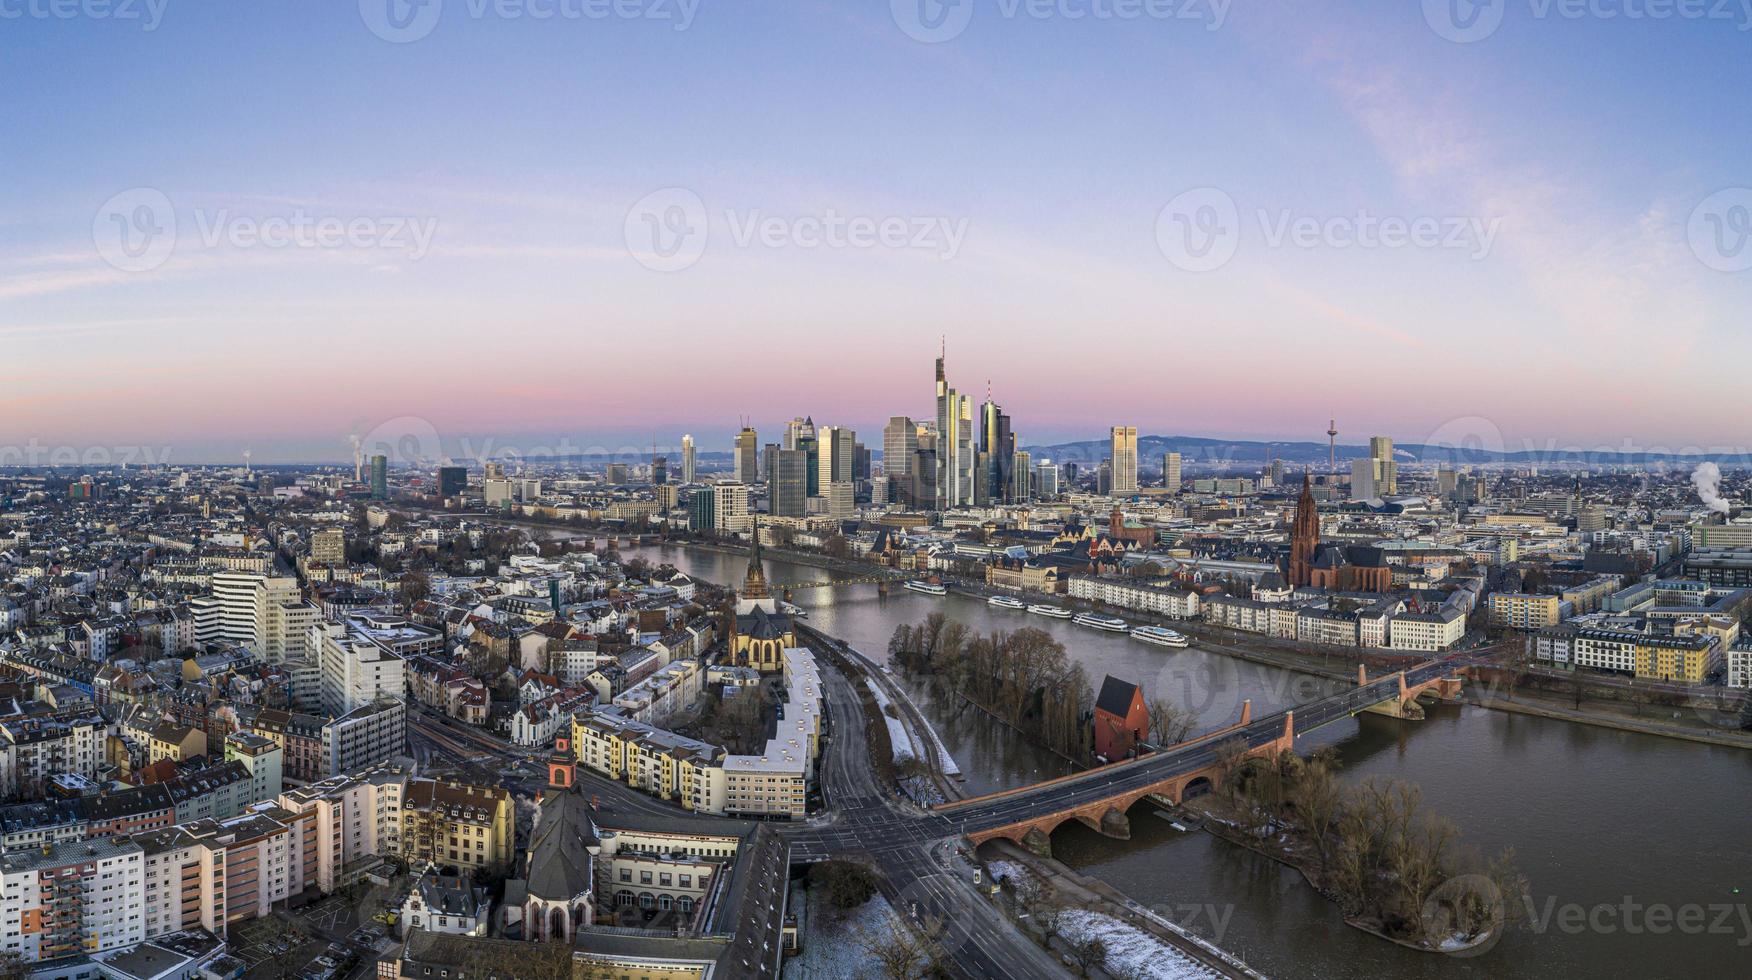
1638 849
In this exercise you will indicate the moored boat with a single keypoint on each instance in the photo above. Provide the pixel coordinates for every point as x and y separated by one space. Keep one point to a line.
928 588
1046 609
1006 602
1093 621
1159 635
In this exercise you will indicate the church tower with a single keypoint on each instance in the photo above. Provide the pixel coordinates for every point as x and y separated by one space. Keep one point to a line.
562 773
1304 537
754 584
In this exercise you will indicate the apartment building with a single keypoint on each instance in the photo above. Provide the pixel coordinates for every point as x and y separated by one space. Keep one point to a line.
366 735
1524 611
72 898
1162 600
356 669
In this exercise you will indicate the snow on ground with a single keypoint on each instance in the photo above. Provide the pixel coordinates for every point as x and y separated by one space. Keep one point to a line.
833 950
876 692
1021 879
945 761
899 739
1132 950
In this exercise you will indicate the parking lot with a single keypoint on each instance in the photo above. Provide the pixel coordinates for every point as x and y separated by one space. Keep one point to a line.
337 938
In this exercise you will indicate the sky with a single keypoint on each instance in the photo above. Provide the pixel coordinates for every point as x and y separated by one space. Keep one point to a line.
521 223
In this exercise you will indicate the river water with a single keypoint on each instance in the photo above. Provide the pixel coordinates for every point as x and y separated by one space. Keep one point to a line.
1638 849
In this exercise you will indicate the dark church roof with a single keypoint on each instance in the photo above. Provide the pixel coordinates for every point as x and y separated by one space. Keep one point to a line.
559 853
760 624
1116 696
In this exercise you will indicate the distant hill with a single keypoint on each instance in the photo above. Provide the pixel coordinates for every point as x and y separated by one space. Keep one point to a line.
1194 449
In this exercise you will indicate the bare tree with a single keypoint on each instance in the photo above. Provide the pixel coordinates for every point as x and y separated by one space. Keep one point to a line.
900 952
1089 951
1170 724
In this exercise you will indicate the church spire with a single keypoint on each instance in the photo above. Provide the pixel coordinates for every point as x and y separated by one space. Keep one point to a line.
754 585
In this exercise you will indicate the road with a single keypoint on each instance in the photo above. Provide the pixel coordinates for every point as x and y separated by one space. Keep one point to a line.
912 849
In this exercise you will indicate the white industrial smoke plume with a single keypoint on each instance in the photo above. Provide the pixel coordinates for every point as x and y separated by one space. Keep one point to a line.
1708 480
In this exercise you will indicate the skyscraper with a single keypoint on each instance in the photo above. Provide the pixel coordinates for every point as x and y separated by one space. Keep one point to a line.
998 447
1046 480
730 507
689 472
747 457
838 454
452 481
380 477
809 444
954 444
788 482
1125 460
1021 478
659 470
900 440
1385 465
1363 479
1171 472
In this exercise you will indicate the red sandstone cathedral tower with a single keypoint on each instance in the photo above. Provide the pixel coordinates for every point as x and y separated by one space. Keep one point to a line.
1304 537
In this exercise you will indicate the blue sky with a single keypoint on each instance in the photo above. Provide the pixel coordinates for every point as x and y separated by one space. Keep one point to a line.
1585 145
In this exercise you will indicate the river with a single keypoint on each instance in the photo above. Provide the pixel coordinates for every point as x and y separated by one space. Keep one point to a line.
1638 849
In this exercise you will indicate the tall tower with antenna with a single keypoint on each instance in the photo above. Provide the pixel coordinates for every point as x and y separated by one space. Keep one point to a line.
1332 445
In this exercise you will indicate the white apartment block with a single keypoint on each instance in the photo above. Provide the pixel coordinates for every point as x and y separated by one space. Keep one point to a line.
72 898
356 670
265 613
1161 600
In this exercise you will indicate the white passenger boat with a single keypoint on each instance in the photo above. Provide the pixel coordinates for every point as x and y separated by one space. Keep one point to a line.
1093 621
1044 609
1005 602
928 588
1159 635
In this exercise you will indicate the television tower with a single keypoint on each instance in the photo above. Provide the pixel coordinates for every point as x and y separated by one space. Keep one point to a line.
1332 446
